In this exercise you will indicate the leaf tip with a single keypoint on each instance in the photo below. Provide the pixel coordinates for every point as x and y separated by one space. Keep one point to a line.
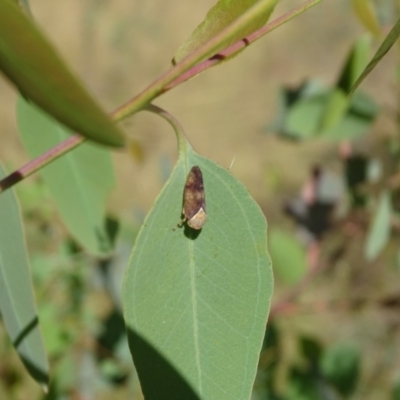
45 388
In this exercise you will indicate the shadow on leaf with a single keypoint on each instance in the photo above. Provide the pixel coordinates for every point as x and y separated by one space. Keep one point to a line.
158 378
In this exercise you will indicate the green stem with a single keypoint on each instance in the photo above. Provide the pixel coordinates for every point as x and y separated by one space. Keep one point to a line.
183 143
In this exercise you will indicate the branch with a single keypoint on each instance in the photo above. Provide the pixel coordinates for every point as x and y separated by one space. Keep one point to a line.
178 74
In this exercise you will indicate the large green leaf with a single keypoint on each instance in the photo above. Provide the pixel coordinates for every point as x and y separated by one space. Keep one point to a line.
219 17
379 230
17 300
196 302
79 181
32 65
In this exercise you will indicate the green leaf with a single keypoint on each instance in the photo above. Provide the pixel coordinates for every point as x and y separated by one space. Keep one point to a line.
357 121
288 255
340 364
305 115
300 109
379 230
17 301
355 63
311 110
196 302
396 390
364 106
33 66
366 13
349 128
79 181
55 335
335 109
219 17
25 5
386 45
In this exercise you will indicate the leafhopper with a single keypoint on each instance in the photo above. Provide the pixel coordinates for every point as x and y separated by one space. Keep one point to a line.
194 201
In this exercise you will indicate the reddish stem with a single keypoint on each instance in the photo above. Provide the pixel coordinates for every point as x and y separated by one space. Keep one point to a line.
76 140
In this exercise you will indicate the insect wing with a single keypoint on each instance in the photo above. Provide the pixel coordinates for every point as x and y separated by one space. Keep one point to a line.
194 202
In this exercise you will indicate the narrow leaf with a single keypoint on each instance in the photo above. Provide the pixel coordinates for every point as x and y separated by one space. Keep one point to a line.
17 300
386 45
355 63
33 66
196 302
219 17
366 13
79 181
379 231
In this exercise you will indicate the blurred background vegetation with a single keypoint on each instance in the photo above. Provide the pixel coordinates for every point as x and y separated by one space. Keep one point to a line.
334 329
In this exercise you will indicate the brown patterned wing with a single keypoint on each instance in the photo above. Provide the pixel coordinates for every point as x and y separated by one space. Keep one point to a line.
194 201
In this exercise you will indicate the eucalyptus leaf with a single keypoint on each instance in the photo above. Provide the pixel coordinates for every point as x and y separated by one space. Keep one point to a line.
355 63
33 66
335 109
386 45
357 121
367 14
17 300
79 181
349 128
219 17
299 110
312 110
304 116
196 302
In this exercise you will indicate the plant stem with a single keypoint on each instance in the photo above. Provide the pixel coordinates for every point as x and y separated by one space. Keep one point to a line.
159 85
238 46
182 71
39 162
183 143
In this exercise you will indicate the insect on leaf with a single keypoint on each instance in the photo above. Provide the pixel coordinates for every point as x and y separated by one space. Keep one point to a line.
193 300
194 201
